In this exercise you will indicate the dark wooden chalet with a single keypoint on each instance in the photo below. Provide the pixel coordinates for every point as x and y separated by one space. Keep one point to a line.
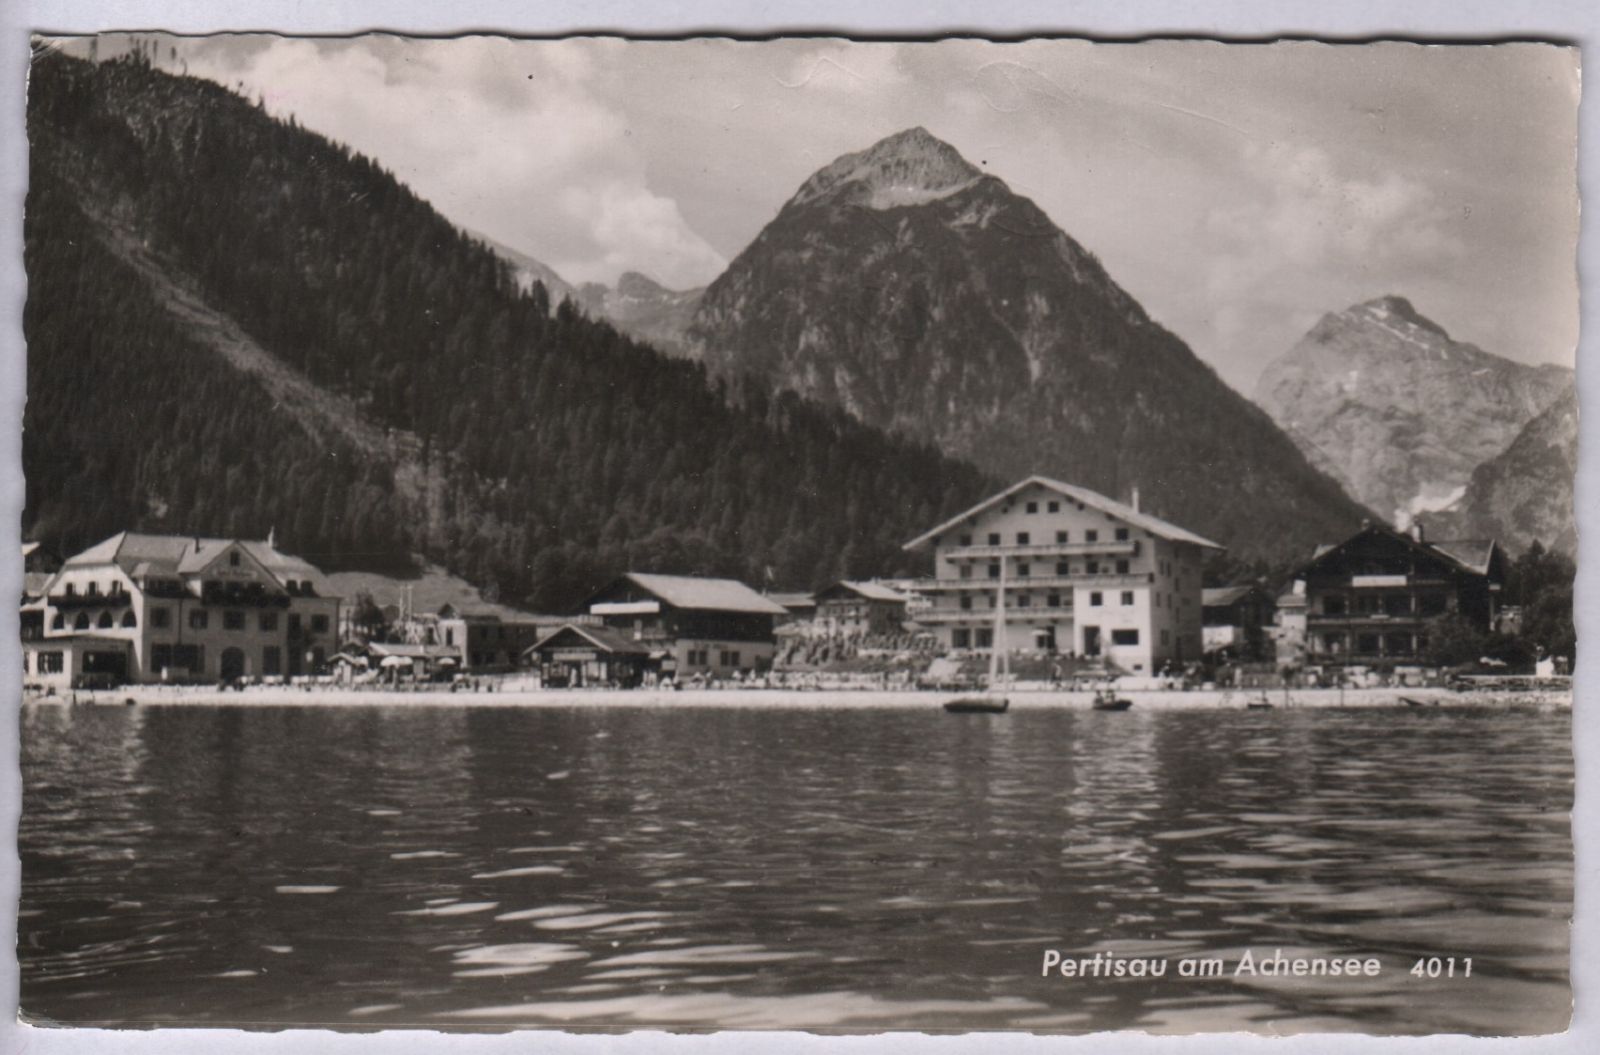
1377 595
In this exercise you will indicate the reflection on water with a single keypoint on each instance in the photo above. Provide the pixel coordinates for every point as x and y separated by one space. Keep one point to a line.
459 867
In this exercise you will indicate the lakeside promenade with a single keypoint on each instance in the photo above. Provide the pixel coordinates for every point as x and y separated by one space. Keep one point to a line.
757 698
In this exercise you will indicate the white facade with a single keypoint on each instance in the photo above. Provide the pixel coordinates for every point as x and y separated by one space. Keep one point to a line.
189 610
1083 574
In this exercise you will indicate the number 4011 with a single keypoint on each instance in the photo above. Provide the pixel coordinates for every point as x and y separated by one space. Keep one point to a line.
1435 967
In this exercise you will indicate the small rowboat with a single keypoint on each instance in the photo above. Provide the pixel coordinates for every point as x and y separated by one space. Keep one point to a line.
978 705
1105 701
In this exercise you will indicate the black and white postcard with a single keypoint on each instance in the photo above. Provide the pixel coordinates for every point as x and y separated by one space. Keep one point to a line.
798 534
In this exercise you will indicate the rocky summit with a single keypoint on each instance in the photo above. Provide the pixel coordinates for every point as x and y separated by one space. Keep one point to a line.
1383 398
918 292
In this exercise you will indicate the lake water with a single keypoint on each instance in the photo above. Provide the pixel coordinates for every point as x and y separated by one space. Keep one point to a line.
852 869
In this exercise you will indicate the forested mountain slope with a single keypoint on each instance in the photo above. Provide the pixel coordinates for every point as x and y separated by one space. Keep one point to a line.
172 227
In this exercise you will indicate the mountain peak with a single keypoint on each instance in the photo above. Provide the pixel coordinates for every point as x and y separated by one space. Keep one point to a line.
636 284
1392 307
908 168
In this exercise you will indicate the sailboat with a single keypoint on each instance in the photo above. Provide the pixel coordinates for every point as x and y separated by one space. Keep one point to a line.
991 701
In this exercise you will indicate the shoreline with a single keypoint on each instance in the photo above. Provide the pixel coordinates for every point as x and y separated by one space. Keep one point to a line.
804 699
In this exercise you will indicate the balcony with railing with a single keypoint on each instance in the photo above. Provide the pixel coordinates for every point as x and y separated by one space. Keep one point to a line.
90 600
1015 583
1396 620
1111 547
985 616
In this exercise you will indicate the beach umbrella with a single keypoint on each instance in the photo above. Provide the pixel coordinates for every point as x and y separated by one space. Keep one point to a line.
395 661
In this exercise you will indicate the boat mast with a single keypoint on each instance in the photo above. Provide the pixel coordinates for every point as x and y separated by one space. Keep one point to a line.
997 656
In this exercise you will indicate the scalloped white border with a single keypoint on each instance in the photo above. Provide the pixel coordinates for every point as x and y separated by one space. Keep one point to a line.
1576 21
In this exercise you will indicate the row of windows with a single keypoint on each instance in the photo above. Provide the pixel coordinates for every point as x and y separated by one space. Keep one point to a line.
1025 538
93 589
1062 569
983 637
1376 644
234 619
199 619
701 657
1386 604
1023 600
106 621
1054 600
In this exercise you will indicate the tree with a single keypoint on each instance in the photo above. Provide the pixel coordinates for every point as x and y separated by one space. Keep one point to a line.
1453 640
368 619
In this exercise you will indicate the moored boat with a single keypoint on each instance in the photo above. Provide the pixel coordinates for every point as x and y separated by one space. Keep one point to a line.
977 705
1106 700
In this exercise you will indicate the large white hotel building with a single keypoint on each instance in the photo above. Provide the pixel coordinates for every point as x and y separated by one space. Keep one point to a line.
1083 574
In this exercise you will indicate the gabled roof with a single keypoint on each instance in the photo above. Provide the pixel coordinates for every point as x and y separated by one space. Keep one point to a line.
602 637
1475 556
1472 554
140 554
1094 500
872 591
201 552
1222 596
721 595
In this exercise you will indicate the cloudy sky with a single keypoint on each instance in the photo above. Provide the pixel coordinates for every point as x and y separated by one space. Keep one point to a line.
1238 191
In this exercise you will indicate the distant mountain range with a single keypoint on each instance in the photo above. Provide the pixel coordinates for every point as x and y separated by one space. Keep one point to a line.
637 305
1383 399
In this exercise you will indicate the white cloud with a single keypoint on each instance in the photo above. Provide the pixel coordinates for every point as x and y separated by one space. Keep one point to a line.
509 138
1301 227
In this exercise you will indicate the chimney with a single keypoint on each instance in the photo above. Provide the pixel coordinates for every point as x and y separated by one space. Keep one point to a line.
1416 531
1135 500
